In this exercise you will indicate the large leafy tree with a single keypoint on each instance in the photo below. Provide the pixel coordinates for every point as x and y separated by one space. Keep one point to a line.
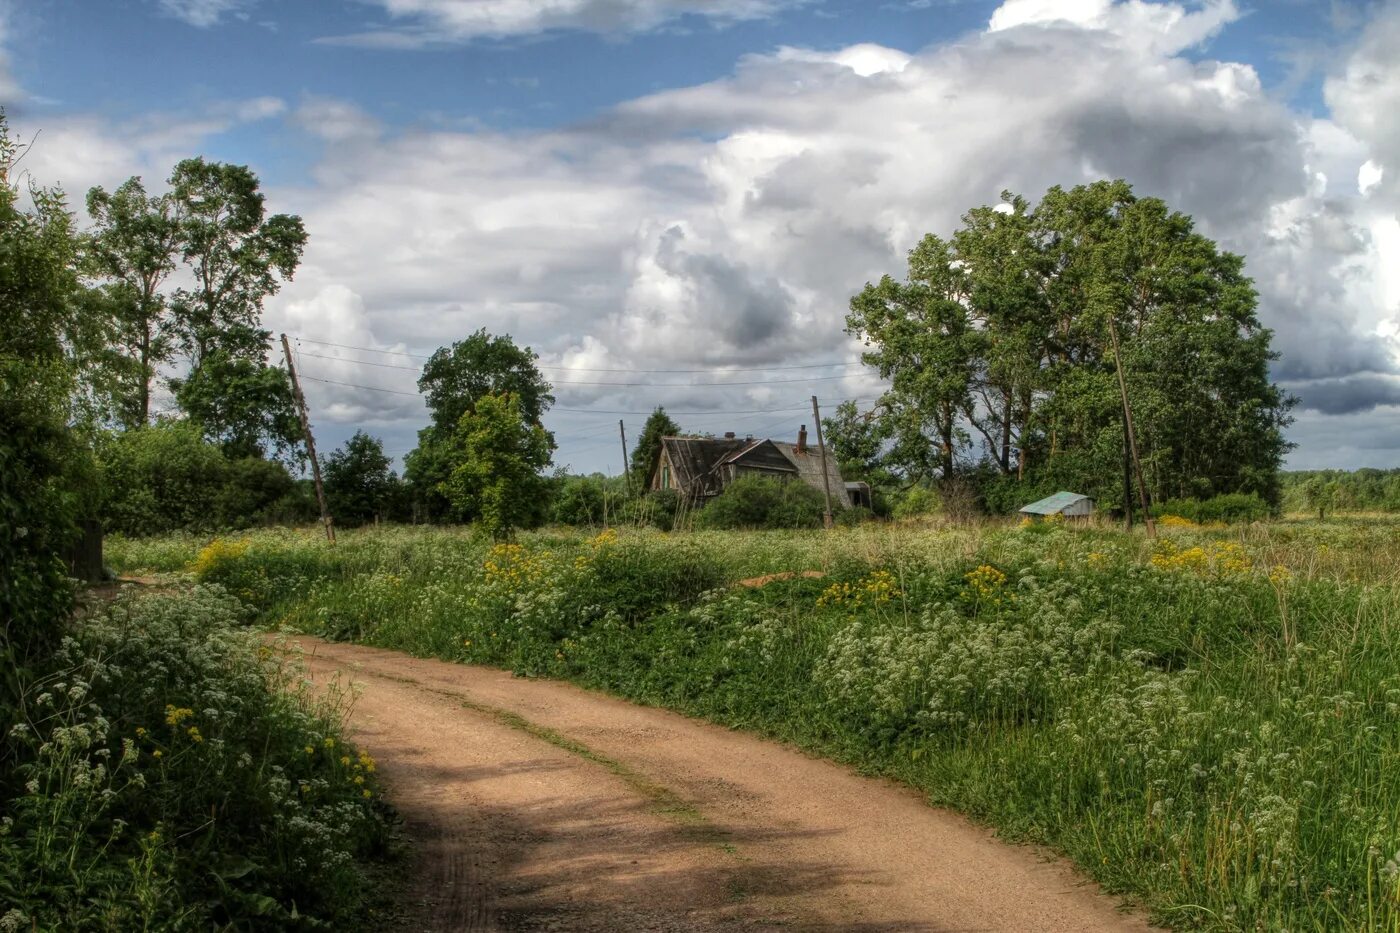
920 336
359 483
455 378
454 381
658 425
132 249
243 405
497 460
1003 333
237 257
857 439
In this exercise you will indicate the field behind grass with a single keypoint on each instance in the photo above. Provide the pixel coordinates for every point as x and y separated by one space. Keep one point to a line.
1209 722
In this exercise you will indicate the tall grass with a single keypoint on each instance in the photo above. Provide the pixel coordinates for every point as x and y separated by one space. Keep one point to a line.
1210 722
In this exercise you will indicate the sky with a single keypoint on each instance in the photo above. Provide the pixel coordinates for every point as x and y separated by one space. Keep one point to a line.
672 201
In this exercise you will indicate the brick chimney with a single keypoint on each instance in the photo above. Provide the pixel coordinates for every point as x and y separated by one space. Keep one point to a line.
729 435
802 439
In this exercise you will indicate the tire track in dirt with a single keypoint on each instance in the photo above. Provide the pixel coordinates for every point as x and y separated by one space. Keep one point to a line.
536 805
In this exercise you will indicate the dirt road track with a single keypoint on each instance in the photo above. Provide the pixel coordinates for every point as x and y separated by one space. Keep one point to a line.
536 805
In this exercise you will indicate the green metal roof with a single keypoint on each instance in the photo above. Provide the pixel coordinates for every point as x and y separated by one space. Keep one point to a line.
1051 505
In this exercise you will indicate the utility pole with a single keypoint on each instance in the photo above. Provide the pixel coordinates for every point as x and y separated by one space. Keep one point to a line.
826 477
626 470
1128 428
310 441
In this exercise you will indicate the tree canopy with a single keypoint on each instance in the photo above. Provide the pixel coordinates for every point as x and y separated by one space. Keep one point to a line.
997 349
658 425
359 484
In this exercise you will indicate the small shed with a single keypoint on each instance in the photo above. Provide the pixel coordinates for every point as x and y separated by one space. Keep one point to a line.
1068 504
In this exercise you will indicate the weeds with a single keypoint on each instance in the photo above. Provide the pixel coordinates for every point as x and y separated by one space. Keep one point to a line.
1211 723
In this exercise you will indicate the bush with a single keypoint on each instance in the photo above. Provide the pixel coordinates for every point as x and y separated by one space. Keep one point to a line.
165 477
1230 509
579 501
761 502
179 776
915 503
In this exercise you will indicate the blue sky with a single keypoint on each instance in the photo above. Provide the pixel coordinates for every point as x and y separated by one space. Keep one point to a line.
636 185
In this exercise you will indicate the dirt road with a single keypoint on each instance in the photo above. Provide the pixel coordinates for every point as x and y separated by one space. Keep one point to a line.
540 806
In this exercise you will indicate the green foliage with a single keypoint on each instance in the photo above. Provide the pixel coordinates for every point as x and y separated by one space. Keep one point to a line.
133 249
180 775
917 502
762 502
1000 339
41 463
358 483
644 454
1364 490
579 501
1205 722
237 255
497 458
1229 509
857 440
456 378
243 405
165 477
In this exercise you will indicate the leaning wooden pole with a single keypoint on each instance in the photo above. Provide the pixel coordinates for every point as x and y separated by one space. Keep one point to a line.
826 477
626 469
1128 427
310 441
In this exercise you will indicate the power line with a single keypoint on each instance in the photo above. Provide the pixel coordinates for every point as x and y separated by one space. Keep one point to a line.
351 385
590 369
715 412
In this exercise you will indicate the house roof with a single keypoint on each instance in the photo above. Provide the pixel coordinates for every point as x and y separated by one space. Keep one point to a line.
696 459
809 467
1051 505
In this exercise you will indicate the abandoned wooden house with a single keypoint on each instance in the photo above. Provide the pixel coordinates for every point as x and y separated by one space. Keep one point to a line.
699 468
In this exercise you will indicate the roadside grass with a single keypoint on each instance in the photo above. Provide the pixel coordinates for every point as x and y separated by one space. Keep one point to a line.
176 773
1209 722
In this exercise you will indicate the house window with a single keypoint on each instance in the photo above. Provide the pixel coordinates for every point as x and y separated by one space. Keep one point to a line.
665 477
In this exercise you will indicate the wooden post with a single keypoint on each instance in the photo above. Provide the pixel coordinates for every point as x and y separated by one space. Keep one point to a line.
310 441
1128 426
826 477
626 469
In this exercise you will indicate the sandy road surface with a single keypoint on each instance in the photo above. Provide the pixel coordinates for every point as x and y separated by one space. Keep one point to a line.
540 806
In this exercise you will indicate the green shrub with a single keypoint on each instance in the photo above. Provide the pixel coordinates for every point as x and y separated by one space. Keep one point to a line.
178 775
916 503
160 478
762 502
579 501
1231 509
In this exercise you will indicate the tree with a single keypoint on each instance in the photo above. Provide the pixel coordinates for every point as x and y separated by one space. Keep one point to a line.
133 248
857 440
498 456
1320 494
243 405
359 484
237 256
658 425
455 378
922 340
1004 332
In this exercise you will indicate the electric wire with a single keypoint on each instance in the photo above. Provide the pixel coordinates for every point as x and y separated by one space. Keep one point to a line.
594 369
